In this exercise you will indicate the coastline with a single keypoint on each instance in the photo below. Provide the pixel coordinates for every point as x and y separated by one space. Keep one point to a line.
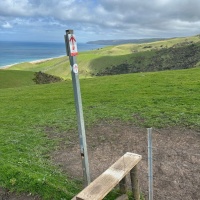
41 51
32 62
7 66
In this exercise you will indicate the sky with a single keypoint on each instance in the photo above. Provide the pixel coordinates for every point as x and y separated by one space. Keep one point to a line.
47 20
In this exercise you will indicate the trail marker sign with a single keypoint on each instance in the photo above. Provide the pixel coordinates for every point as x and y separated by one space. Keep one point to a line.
71 49
72 45
75 68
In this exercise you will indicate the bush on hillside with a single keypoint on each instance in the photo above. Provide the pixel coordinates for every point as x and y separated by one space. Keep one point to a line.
43 78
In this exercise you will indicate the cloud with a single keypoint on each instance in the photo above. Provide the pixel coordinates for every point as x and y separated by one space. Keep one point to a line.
6 25
117 18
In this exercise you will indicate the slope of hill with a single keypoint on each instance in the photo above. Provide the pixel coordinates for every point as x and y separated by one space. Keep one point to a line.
16 78
176 57
174 53
29 115
13 78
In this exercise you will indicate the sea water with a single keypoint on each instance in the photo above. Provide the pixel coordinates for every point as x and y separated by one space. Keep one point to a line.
17 52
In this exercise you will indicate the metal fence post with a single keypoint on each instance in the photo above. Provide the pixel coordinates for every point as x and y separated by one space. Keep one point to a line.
150 163
71 49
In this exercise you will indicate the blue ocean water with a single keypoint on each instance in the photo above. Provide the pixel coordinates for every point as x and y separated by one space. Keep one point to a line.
17 52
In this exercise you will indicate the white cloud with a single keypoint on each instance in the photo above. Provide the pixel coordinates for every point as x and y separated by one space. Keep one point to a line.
7 25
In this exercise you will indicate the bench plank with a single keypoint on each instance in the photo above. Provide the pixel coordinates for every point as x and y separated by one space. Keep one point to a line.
102 185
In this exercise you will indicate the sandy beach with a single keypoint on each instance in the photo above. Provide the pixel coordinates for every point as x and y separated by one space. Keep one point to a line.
32 62
7 66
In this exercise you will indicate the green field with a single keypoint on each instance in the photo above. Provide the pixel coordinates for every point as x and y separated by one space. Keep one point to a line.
159 99
150 99
10 79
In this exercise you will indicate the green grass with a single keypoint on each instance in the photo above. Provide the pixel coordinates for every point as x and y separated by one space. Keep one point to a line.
11 79
159 99
91 62
24 146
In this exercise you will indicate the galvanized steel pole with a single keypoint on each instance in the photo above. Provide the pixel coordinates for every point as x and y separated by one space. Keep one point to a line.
78 103
150 163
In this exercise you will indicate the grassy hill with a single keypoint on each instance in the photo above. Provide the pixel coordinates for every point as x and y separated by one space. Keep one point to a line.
153 99
156 99
177 53
14 78
157 56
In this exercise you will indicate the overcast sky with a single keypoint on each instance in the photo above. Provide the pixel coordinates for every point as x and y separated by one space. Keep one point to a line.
47 20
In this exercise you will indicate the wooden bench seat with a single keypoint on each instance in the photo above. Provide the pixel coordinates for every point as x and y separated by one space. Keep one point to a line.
102 185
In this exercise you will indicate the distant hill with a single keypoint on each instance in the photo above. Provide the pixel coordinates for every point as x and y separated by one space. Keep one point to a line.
166 54
121 41
180 56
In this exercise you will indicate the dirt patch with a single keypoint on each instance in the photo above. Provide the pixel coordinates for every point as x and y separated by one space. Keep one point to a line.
176 156
7 195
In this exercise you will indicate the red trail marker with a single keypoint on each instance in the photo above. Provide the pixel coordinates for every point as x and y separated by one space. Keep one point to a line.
72 45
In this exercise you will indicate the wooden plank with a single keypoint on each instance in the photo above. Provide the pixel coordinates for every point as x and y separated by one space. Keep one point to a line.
102 185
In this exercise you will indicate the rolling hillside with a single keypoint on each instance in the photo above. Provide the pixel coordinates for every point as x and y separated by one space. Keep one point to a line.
178 53
14 78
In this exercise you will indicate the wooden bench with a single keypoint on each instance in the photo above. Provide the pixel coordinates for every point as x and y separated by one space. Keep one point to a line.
114 175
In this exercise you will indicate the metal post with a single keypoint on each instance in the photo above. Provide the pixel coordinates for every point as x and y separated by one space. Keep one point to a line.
150 163
78 103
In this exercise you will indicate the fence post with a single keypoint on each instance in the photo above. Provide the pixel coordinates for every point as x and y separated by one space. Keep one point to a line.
122 186
135 183
150 163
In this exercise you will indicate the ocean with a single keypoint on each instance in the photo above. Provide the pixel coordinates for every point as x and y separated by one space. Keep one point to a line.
17 52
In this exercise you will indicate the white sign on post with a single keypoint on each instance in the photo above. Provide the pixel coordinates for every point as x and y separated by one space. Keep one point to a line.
75 68
72 45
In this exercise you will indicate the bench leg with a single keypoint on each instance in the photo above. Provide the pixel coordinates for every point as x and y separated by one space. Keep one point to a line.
122 186
135 183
